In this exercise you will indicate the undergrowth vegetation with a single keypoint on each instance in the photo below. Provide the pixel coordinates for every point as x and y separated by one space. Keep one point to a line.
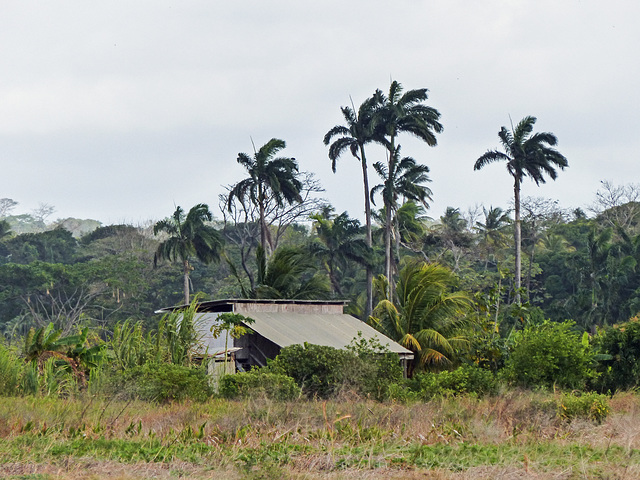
517 433
146 398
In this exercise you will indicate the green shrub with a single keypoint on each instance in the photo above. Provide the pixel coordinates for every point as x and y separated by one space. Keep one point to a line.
163 383
621 346
549 354
50 378
319 370
463 380
366 368
259 383
377 369
400 392
592 406
11 368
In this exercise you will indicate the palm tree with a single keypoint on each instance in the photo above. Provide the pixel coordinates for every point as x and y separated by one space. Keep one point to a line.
189 236
290 273
453 234
492 230
358 131
49 342
526 155
411 224
402 177
270 179
426 314
395 114
339 240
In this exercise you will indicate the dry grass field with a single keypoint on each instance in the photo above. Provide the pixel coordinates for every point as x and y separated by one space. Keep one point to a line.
517 435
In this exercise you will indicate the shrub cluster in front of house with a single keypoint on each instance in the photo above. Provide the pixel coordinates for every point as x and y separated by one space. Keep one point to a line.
159 367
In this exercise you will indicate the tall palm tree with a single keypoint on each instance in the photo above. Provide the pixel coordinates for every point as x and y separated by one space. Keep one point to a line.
402 177
492 231
402 113
358 131
189 236
527 154
426 314
339 241
270 179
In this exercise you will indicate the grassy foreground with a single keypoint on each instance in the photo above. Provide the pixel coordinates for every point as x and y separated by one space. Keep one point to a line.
515 435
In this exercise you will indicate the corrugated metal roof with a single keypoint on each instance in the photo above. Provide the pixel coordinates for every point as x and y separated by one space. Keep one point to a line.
285 328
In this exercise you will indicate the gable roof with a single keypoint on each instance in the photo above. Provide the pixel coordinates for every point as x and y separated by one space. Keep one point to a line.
290 322
338 330
290 328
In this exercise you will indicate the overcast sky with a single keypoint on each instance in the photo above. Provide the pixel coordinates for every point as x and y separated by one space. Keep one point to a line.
119 110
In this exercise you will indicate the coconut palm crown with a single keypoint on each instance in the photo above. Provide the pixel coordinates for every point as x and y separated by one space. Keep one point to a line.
359 130
270 180
526 154
188 236
426 314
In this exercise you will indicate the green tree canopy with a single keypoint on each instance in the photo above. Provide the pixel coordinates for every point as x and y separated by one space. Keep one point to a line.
188 236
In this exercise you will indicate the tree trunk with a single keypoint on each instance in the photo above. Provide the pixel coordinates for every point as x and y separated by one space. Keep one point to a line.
245 267
264 236
334 281
187 267
265 241
367 215
387 251
517 238
533 247
387 240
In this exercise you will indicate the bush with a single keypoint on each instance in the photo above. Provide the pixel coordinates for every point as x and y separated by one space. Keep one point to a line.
463 380
377 369
621 344
592 406
259 383
163 383
549 354
401 392
366 368
319 370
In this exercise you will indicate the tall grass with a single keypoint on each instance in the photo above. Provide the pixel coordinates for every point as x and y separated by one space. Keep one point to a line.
10 372
515 435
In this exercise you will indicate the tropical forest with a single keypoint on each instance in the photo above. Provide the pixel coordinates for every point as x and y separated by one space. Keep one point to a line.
523 320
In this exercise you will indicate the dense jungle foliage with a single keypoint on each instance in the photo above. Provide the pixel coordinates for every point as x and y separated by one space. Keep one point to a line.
544 297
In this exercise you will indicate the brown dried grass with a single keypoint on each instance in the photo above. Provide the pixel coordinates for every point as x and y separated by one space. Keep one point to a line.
327 430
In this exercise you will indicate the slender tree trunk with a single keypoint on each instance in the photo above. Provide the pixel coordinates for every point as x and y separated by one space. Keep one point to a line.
243 260
387 250
495 324
367 216
334 280
264 236
533 247
187 267
517 238
387 241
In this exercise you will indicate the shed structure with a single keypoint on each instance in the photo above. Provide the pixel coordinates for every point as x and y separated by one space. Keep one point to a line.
281 323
